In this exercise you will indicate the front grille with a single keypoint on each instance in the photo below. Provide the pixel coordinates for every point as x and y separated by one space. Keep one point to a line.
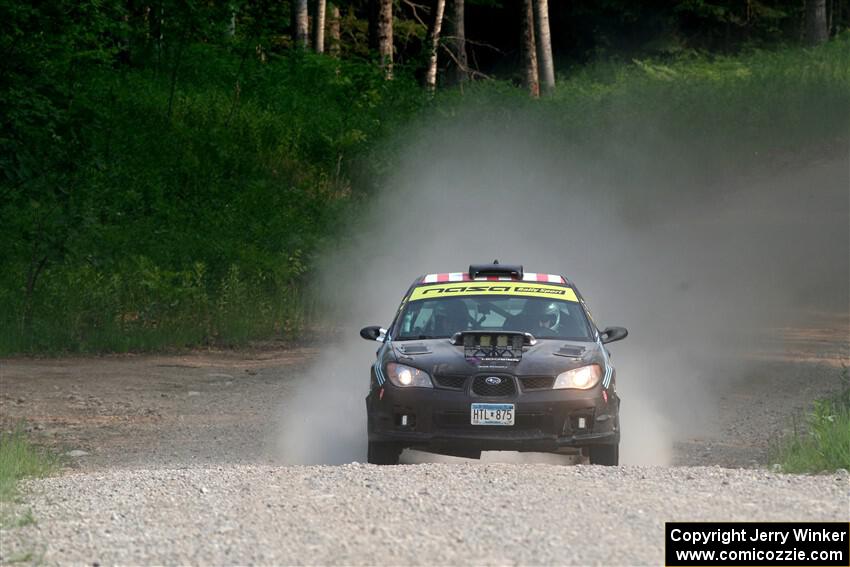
505 387
453 382
538 382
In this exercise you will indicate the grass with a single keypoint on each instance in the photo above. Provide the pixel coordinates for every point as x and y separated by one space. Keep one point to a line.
824 443
23 557
20 459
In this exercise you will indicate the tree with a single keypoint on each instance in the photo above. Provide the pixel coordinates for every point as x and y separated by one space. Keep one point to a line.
461 64
381 33
544 44
333 31
530 50
319 27
816 28
300 23
434 44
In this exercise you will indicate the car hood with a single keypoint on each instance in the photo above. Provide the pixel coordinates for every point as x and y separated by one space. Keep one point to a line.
548 357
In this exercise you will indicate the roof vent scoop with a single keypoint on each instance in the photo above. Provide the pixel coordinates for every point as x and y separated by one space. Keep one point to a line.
495 269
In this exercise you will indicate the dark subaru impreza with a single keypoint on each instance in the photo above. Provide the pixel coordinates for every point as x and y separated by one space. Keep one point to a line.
493 359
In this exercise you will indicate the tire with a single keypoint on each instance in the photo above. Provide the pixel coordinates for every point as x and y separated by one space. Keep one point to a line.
383 453
607 455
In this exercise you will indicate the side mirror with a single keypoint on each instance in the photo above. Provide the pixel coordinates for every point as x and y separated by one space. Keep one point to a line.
373 333
611 334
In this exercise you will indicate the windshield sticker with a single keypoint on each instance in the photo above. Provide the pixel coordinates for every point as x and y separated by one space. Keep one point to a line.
494 288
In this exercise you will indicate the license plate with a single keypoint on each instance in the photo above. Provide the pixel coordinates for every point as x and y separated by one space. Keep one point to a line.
492 414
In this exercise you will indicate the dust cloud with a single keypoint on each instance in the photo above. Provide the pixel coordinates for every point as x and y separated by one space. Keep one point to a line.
698 268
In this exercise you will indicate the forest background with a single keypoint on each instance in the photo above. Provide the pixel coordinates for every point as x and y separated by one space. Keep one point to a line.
171 171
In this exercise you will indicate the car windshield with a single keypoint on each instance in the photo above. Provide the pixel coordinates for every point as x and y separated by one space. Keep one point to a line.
442 317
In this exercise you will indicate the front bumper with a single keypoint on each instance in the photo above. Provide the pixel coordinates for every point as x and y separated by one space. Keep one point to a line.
439 420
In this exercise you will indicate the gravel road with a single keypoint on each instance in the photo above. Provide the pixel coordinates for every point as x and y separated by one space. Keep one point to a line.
170 461
413 514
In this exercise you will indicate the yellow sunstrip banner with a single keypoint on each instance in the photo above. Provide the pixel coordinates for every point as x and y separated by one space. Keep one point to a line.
526 289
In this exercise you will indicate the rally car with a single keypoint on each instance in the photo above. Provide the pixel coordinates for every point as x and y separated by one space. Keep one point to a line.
493 359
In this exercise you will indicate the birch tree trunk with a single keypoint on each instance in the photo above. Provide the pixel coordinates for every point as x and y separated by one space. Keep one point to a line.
461 63
816 30
300 23
434 44
333 31
157 27
385 36
544 45
530 50
230 28
319 27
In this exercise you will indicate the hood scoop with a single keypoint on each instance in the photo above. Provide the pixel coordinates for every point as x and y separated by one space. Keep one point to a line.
570 351
414 349
492 349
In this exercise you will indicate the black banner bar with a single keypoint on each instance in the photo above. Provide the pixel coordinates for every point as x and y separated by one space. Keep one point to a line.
744 544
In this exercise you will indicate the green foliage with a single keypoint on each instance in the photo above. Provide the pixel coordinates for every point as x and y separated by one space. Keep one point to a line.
707 112
193 211
709 116
165 183
825 443
662 28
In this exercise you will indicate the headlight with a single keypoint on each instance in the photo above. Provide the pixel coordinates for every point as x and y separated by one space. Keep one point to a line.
583 378
407 376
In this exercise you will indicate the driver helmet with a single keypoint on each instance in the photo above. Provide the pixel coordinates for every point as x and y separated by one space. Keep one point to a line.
451 316
542 314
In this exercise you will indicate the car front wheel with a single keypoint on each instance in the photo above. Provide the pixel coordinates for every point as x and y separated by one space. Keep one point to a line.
383 453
